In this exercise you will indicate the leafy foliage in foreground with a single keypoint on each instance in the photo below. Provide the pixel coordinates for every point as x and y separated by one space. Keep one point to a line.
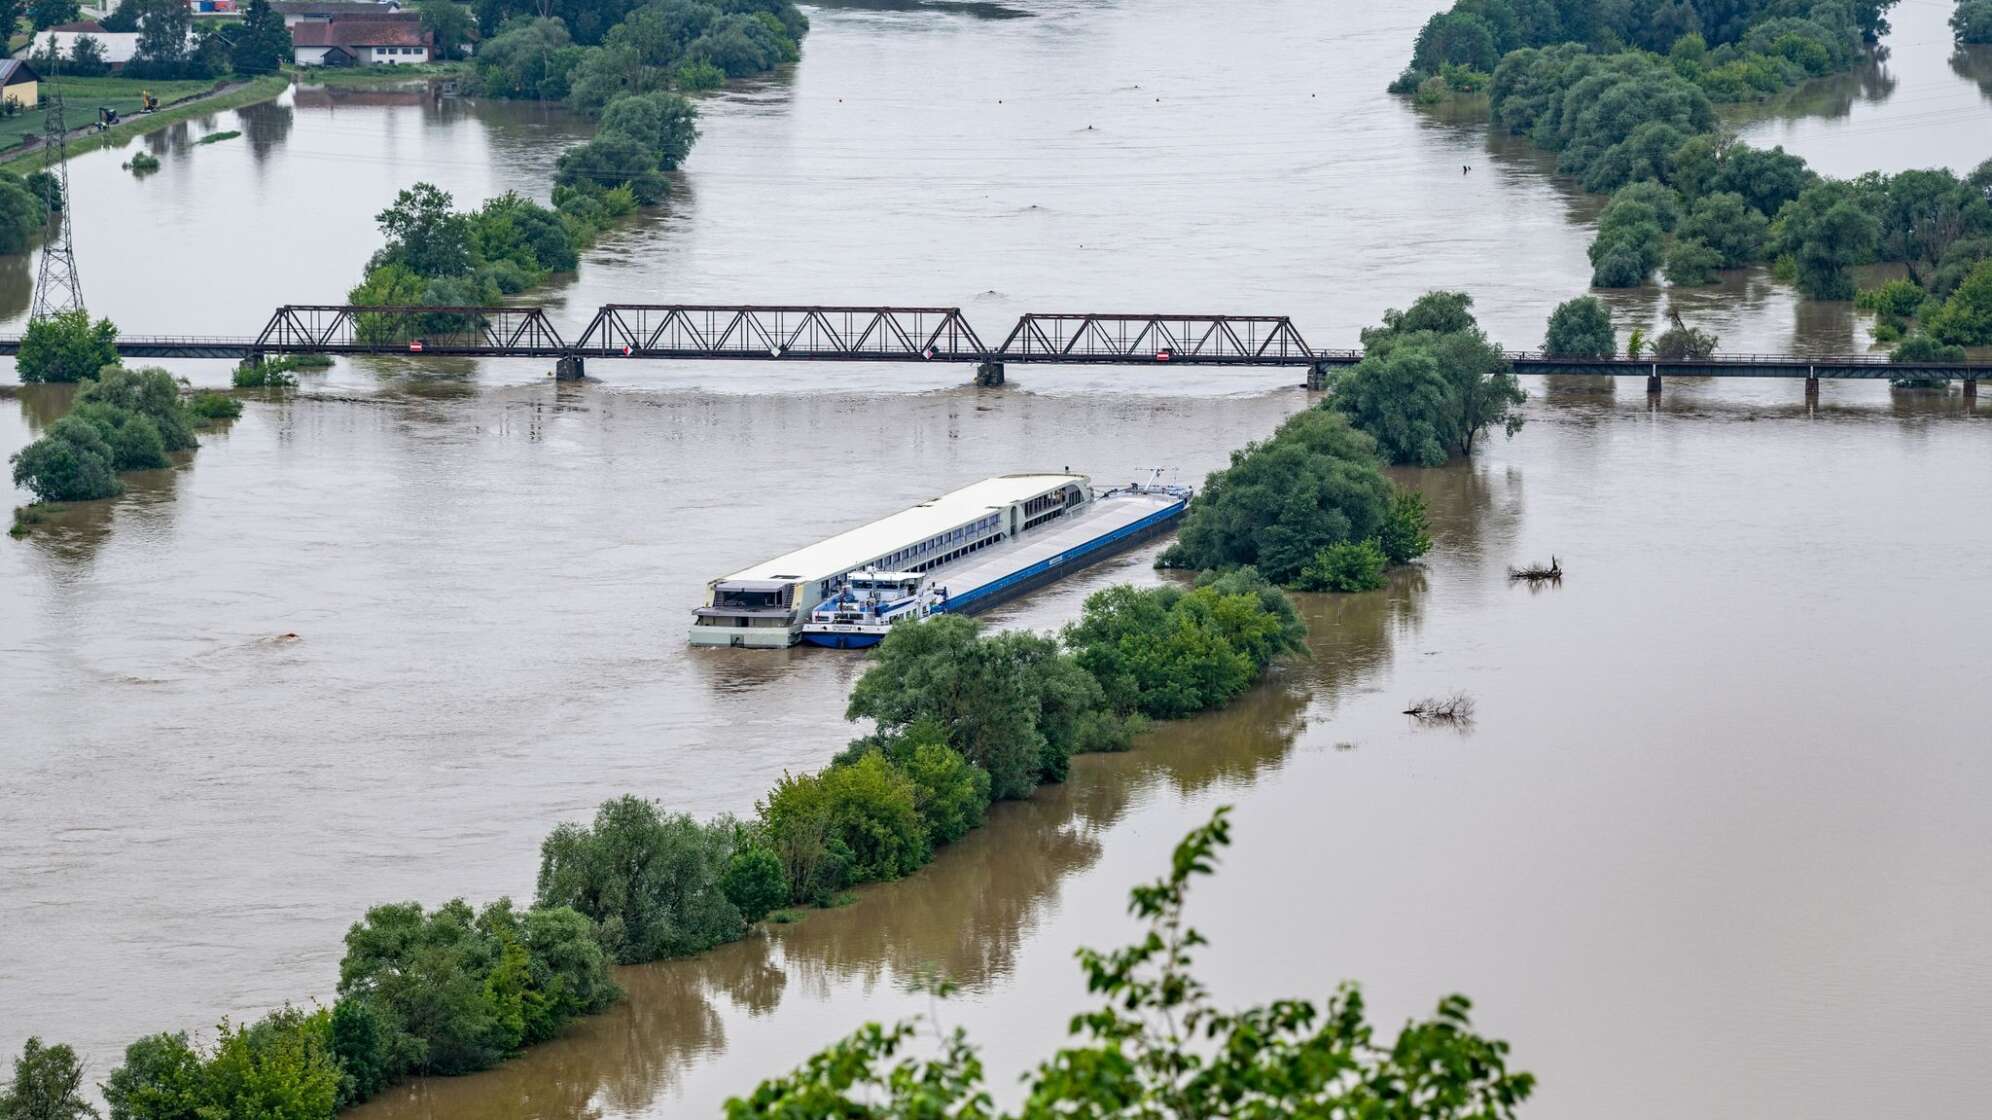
1158 1046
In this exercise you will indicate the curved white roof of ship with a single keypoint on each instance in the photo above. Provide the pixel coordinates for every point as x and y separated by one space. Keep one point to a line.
841 553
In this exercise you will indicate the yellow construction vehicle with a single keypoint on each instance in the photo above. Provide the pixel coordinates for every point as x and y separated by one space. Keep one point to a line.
147 103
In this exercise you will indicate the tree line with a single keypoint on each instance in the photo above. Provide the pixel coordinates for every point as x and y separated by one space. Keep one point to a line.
171 45
962 718
1729 50
629 73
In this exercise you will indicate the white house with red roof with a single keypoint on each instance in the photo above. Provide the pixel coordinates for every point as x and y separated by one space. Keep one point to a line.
347 40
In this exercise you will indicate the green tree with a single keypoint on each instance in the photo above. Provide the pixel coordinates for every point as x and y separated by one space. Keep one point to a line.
71 462
873 816
950 792
450 23
263 43
1691 262
1404 535
1580 328
133 439
45 14
47 1085
424 233
1826 231
1725 222
1972 21
23 215
425 974
1765 179
66 347
755 882
1003 700
1349 566
795 818
1481 388
1404 401
151 393
1683 343
359 1039
1167 653
1628 246
1315 483
1966 317
282 1068
613 159
664 123
1157 1045
161 1079
650 880
1920 347
165 35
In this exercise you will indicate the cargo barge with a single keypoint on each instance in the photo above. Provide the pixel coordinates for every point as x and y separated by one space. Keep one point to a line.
981 544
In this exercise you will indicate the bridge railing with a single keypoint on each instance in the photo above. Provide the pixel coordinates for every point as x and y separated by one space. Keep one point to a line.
773 332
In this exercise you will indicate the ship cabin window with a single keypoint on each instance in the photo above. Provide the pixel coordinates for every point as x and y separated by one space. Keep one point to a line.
750 596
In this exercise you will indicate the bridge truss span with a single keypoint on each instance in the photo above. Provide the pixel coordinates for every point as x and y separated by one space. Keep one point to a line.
775 333
470 331
1236 340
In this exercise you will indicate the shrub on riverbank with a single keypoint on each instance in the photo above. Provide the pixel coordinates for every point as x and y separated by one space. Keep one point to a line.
66 348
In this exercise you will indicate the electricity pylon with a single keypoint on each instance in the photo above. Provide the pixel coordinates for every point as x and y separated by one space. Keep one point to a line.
57 288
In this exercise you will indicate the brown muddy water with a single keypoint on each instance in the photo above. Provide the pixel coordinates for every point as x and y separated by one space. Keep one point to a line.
1716 844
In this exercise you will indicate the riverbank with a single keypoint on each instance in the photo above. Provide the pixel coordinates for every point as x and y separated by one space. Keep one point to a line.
228 95
369 77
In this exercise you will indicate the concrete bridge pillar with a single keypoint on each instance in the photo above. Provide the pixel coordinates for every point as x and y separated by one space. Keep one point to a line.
1317 376
1971 390
570 368
1811 385
1653 379
989 375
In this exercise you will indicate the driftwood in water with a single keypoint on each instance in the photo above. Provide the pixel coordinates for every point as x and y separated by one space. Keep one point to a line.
1455 709
1536 573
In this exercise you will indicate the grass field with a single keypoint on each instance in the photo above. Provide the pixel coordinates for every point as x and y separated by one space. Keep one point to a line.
249 93
83 96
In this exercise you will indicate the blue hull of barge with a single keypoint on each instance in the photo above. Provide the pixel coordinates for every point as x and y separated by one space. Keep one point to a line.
1053 567
843 641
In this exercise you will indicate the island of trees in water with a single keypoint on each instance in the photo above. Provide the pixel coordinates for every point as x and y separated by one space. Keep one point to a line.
1627 96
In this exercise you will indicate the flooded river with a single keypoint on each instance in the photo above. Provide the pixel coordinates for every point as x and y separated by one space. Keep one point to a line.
1716 844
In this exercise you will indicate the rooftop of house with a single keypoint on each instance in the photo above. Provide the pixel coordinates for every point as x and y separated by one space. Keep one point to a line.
13 72
361 33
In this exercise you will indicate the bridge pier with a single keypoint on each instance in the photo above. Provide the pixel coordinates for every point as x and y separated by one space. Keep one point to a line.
1812 386
1971 390
1317 376
989 375
570 368
1653 380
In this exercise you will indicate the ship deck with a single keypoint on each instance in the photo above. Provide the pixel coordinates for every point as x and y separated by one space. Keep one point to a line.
970 579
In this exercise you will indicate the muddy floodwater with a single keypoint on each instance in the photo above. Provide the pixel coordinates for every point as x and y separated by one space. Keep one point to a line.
1716 843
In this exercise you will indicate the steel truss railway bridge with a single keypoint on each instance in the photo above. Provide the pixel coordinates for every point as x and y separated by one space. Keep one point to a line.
743 332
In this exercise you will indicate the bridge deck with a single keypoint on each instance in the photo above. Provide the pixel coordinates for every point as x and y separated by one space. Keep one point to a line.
803 333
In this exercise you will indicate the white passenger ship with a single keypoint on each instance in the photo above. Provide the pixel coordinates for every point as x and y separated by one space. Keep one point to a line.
984 543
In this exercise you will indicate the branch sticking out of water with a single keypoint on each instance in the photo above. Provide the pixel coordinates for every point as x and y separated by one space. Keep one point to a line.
1551 572
1455 710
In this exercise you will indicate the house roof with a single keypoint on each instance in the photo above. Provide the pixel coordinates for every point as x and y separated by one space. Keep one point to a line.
332 7
82 26
360 33
13 72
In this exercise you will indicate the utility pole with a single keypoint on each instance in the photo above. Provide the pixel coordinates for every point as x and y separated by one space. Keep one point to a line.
57 289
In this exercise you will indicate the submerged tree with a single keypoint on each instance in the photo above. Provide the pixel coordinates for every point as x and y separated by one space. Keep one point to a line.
1580 328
